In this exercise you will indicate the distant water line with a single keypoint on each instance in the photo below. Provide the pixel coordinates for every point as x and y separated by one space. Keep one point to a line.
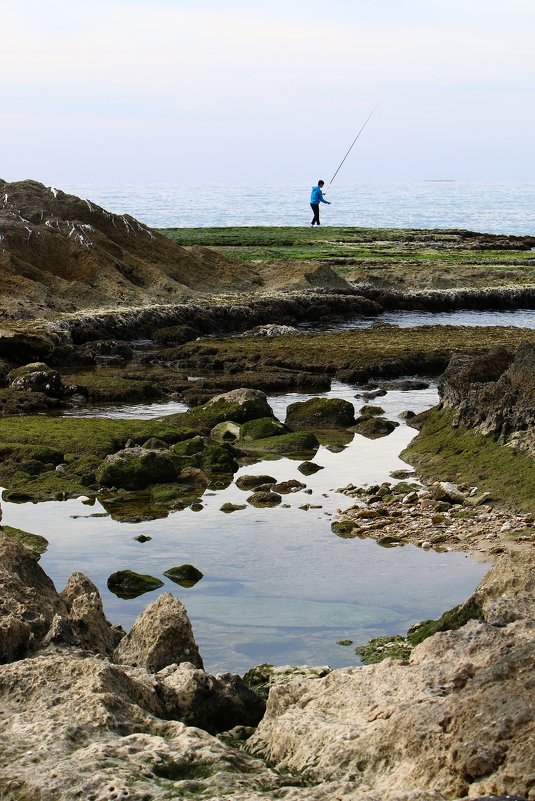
500 208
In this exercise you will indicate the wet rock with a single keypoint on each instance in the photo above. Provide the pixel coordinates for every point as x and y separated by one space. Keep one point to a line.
301 443
250 404
374 427
185 575
309 468
136 468
368 395
252 482
270 330
407 414
286 487
262 428
368 410
405 384
320 413
160 636
228 508
36 377
261 499
193 476
143 538
225 432
129 584
34 542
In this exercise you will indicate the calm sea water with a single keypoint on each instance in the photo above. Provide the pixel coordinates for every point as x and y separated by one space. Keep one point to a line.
507 208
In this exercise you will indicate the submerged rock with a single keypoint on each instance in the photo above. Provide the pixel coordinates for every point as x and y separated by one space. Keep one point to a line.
160 636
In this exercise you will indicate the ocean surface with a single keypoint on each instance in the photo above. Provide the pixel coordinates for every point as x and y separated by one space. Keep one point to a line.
506 208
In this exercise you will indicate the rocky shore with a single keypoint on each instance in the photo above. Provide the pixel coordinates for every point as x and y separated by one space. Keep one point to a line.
89 711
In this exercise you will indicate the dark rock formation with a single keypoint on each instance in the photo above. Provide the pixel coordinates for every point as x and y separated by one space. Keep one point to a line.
494 393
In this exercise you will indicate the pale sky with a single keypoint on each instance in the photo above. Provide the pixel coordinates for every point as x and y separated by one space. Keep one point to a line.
164 91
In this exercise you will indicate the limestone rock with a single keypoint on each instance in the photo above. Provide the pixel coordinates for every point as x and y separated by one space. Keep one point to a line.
446 491
454 720
251 404
28 602
213 703
88 624
160 636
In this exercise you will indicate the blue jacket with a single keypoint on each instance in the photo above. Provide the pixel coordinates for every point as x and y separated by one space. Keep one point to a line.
317 195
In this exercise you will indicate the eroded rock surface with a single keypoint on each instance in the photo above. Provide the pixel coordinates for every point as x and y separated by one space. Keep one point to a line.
160 636
494 393
455 719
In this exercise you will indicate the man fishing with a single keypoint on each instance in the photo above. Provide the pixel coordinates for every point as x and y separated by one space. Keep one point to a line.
315 199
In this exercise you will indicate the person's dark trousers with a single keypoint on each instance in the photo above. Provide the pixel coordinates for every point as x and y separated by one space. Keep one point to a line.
316 209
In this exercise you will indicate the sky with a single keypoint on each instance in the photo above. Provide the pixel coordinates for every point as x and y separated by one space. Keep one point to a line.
170 91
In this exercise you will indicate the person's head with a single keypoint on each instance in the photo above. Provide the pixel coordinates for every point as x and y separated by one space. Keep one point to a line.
321 183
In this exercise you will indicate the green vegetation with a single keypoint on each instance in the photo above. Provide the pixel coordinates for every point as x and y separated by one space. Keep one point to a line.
351 355
400 647
396 257
35 542
462 455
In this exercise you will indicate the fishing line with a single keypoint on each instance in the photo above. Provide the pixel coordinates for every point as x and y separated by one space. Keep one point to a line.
351 147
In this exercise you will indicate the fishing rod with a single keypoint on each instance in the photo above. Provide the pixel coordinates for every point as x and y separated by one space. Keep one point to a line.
351 148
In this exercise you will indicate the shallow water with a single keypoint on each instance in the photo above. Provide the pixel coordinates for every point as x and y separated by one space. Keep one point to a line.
519 318
278 585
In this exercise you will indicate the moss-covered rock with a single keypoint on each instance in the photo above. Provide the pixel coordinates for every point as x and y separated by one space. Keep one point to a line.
188 447
320 413
225 432
286 487
36 377
294 443
252 482
35 542
262 428
155 444
369 410
228 507
374 427
309 468
136 468
128 584
264 498
185 575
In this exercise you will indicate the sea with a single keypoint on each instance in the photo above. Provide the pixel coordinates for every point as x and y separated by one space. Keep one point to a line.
498 208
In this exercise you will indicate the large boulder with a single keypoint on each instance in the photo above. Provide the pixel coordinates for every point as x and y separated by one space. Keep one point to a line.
160 636
136 468
320 413
244 404
36 377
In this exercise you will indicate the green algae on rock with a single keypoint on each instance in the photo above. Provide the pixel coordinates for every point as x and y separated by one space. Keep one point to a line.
129 584
35 542
186 575
320 413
